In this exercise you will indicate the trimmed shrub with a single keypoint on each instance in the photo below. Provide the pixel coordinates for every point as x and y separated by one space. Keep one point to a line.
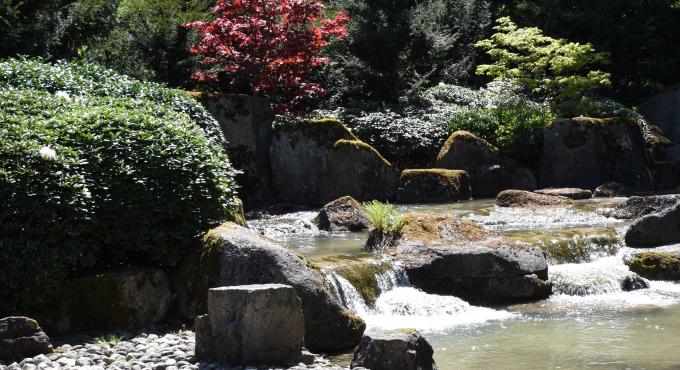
99 170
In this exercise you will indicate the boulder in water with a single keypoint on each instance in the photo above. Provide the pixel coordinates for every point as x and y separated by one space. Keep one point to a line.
433 185
343 214
633 282
527 199
656 229
403 349
22 337
234 255
610 190
251 325
656 265
586 152
636 207
571 193
445 254
316 161
488 170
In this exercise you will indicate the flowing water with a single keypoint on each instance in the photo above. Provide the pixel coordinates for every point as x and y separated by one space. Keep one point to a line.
588 322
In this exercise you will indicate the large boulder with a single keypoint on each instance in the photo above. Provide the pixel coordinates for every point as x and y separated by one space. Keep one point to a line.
656 265
636 207
234 255
445 254
403 349
22 337
252 325
586 152
656 229
521 198
124 299
433 185
317 161
246 122
571 193
489 172
343 214
664 110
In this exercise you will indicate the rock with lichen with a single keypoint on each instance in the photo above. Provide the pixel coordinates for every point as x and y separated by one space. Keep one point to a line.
22 337
527 199
636 207
489 172
656 265
656 229
445 254
586 152
433 185
316 161
403 349
610 189
343 214
234 255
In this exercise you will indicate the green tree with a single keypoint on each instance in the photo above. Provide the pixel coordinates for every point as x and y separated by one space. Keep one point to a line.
564 72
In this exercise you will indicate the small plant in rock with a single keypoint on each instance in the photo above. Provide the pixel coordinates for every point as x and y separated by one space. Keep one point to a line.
383 216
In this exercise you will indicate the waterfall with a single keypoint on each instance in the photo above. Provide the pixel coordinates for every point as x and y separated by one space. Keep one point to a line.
401 306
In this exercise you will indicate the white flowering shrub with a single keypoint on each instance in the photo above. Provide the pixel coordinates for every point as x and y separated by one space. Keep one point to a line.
94 175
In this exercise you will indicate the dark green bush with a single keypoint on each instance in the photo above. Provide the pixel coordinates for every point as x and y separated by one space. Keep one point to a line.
516 129
97 170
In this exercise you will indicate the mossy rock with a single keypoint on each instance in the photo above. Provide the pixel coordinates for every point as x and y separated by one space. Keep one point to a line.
316 161
433 185
655 265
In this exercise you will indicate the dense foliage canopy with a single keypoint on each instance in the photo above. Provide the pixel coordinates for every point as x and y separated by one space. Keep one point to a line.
98 170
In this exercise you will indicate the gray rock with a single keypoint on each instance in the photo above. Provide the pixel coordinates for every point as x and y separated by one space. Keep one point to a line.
22 337
571 193
125 299
315 162
394 350
246 122
656 229
664 110
636 207
444 254
610 190
521 198
251 324
343 214
586 152
433 185
234 255
488 171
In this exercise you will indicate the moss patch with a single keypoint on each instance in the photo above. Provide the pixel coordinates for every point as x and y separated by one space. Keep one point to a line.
360 145
325 131
656 265
362 275
431 228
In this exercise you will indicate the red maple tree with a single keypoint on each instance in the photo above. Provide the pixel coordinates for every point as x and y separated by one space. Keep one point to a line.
267 47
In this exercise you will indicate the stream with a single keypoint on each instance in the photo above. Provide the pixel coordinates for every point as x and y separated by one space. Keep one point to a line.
588 322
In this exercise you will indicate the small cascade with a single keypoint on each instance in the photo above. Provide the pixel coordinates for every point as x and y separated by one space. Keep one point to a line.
346 293
603 276
398 305
277 226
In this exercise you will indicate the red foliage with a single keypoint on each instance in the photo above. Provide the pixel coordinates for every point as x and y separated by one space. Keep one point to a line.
267 47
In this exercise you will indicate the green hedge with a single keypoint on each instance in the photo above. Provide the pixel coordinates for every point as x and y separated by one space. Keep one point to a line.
98 170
